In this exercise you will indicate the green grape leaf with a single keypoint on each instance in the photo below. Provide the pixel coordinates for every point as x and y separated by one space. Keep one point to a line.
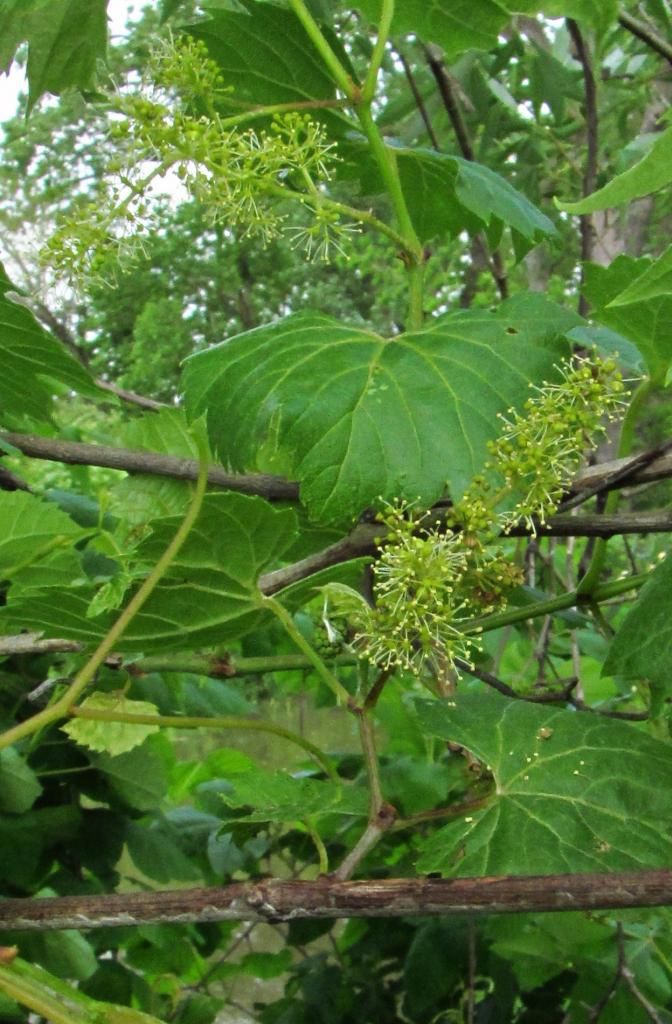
642 646
277 796
66 39
265 54
573 792
601 14
32 362
356 417
208 595
447 195
155 850
645 323
138 778
539 945
455 25
655 281
66 953
19 785
113 738
459 25
33 533
651 173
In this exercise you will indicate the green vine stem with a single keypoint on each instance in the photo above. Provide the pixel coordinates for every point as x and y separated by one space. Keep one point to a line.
384 26
625 443
368 741
216 722
319 41
411 248
35 997
555 604
327 677
323 856
62 706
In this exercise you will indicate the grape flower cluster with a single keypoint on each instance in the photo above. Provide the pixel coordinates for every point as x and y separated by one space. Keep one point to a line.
171 125
433 577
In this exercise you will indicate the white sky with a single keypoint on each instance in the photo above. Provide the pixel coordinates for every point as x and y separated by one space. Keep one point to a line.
118 12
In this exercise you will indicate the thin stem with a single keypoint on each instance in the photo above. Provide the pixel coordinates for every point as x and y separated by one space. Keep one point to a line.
216 722
366 842
342 209
323 856
554 604
368 741
62 706
626 440
386 162
327 677
269 109
314 32
383 34
412 251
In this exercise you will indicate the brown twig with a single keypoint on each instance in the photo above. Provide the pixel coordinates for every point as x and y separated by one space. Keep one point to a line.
419 102
624 469
623 974
562 696
11 482
132 397
446 91
646 34
329 898
590 169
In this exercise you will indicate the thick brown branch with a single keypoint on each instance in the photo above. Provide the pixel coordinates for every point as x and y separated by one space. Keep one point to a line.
601 525
274 488
277 900
637 470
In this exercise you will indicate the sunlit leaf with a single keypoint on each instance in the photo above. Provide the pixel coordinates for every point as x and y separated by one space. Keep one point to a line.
112 737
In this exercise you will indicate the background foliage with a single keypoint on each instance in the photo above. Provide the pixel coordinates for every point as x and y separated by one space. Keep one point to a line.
498 195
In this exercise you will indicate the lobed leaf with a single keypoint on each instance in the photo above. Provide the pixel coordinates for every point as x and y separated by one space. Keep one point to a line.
573 792
654 282
66 39
265 54
455 25
110 737
446 195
